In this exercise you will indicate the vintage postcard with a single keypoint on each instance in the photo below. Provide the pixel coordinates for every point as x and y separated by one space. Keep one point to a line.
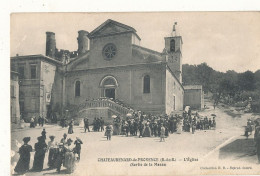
151 93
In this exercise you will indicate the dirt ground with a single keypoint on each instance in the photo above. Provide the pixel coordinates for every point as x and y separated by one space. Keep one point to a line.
205 152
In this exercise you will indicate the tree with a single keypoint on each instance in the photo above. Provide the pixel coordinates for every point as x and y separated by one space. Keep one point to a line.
246 81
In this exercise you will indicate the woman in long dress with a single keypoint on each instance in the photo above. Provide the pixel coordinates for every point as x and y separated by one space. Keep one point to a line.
162 134
179 125
70 158
52 147
24 160
32 123
70 130
40 149
147 131
59 156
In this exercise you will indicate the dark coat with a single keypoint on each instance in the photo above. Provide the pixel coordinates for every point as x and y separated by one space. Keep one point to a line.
24 160
40 149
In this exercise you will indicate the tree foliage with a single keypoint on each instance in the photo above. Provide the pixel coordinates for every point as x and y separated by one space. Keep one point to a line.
230 85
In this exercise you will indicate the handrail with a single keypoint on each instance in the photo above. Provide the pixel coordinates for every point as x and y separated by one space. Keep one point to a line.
105 103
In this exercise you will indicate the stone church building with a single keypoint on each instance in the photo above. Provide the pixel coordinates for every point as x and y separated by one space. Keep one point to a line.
109 63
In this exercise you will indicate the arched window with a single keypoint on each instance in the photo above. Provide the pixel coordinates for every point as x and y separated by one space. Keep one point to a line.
77 88
109 83
172 45
147 84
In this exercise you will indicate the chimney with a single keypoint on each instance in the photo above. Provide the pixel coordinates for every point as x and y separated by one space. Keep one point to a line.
82 42
50 44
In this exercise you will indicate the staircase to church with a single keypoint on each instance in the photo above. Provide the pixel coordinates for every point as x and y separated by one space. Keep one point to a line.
102 107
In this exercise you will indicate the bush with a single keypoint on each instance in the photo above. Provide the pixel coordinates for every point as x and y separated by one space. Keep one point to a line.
241 104
255 106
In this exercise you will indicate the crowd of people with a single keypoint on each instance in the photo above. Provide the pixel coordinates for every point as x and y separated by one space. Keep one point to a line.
34 121
98 124
62 153
139 124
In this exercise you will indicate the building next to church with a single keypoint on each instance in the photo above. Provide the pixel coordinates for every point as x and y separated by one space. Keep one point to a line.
194 96
109 63
14 97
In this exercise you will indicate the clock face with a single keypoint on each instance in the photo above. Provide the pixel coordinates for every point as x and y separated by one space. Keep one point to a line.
109 51
172 59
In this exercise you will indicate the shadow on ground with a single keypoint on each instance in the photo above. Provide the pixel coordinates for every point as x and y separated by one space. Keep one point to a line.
62 172
238 150
233 113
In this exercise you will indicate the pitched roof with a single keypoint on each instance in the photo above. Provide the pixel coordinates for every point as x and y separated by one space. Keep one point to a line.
111 27
36 56
146 55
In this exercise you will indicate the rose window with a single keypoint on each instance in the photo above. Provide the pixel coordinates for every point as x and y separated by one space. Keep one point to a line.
109 51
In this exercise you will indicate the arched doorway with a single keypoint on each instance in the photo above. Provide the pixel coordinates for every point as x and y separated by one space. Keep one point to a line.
108 87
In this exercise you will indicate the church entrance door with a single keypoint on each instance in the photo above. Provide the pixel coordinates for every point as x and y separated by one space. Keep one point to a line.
110 93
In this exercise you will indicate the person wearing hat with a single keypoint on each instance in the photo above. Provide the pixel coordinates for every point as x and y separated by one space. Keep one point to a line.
59 156
32 123
44 133
70 130
162 136
108 132
70 158
77 148
214 122
102 123
141 129
86 124
193 125
52 145
40 149
147 131
23 163
257 140
64 139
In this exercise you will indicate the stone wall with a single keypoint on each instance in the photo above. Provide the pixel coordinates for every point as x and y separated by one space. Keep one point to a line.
129 90
194 97
47 75
15 108
174 93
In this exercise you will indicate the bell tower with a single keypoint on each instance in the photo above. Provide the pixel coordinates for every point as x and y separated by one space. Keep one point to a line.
173 51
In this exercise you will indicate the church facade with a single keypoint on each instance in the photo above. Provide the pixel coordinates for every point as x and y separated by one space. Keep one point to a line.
109 63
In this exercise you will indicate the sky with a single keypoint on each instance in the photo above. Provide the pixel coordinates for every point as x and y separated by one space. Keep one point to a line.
224 40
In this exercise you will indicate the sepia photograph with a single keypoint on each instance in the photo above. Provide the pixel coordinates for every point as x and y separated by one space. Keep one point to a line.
135 93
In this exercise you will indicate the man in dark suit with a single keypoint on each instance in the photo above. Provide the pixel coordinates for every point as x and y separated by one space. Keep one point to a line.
86 125
102 122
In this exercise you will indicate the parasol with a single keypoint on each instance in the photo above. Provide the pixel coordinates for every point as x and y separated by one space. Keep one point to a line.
129 115
114 116
213 115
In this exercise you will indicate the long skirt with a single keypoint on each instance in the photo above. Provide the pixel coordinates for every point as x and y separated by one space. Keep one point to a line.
70 131
117 130
179 128
52 157
58 160
38 161
32 125
69 162
147 132
22 165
